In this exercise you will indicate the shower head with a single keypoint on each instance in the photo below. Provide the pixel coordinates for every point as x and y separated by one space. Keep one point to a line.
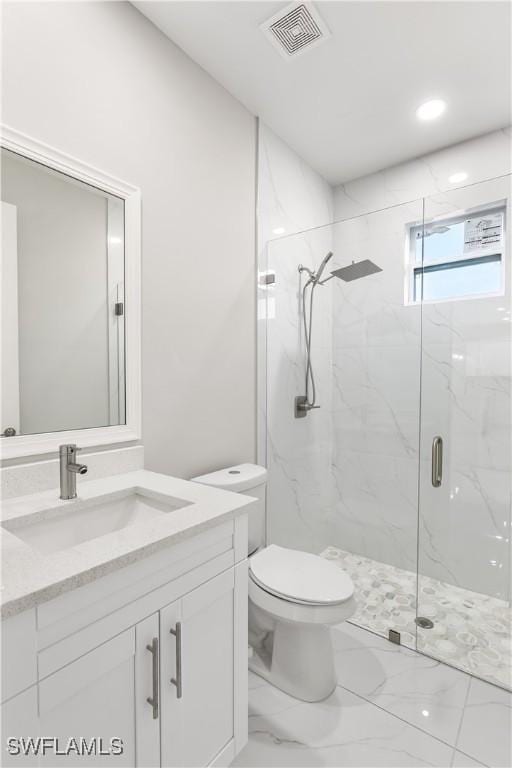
322 266
356 270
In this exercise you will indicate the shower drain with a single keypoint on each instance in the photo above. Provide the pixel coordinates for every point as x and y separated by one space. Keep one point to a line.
424 623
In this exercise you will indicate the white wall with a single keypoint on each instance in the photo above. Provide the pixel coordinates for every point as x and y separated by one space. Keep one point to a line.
62 299
292 197
100 82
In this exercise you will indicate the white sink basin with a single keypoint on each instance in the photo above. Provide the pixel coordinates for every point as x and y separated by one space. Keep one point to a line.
62 527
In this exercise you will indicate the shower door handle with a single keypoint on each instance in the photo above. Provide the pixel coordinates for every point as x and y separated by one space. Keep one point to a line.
437 461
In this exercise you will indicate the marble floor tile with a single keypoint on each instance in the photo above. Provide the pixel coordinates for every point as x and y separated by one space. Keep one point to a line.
486 728
343 730
471 631
419 690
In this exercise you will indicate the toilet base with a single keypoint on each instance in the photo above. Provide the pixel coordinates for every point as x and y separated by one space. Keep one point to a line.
297 658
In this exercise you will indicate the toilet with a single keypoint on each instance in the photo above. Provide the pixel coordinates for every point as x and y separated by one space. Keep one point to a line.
294 597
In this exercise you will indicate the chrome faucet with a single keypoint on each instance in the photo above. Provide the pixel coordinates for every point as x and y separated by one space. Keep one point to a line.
69 469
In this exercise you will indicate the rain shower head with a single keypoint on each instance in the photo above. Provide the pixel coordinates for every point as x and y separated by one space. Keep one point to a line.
356 270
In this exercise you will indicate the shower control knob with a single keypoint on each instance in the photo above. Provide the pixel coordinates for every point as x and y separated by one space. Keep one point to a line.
302 407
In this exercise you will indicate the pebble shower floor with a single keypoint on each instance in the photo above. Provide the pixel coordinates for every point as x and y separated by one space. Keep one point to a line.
471 631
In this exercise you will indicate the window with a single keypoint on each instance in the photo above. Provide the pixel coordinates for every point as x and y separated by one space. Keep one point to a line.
456 258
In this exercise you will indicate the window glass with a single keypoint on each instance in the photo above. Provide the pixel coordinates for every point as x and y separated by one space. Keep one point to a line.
462 278
457 257
442 242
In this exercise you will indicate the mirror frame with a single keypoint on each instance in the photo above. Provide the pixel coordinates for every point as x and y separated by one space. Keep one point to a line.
48 442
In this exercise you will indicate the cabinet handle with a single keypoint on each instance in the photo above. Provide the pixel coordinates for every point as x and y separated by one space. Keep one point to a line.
437 461
177 680
153 700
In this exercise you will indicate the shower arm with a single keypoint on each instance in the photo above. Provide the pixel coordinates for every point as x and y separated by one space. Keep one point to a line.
323 282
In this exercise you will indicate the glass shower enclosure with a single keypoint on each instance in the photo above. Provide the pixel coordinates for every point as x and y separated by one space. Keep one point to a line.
402 476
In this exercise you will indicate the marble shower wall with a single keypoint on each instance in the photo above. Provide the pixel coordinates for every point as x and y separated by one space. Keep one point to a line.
466 398
299 491
292 198
465 359
485 157
376 400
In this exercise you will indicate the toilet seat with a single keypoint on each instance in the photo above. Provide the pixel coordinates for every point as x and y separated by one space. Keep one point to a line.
304 613
300 577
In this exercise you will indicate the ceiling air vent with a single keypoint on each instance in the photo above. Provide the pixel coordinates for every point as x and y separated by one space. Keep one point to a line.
295 29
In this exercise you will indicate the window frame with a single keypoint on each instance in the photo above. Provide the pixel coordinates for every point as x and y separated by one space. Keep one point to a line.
455 259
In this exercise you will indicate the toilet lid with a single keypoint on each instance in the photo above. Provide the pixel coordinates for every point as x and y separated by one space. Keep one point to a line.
300 576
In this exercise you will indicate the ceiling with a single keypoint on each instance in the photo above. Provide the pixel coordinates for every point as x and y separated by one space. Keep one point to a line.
347 106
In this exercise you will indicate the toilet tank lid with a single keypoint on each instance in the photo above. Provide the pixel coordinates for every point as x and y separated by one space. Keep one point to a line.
241 477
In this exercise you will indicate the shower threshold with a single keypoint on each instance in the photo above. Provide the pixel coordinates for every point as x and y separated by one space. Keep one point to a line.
470 631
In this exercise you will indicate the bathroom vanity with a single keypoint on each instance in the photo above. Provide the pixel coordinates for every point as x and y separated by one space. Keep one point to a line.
124 619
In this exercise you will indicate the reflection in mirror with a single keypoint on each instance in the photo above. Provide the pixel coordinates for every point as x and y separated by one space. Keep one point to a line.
62 270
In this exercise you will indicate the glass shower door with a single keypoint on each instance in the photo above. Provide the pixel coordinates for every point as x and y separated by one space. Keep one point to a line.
343 482
462 279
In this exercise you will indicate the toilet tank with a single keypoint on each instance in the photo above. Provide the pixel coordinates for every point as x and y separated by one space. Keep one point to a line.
250 479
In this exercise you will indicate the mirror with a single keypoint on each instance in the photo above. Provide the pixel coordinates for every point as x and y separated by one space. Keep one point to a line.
63 301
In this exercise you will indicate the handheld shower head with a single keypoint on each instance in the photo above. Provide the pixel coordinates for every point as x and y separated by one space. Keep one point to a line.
322 266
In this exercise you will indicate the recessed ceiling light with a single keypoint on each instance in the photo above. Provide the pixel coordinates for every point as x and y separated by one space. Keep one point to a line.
279 231
431 109
457 178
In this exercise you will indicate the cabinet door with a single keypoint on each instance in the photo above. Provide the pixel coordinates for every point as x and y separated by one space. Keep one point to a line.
19 727
147 693
197 658
92 699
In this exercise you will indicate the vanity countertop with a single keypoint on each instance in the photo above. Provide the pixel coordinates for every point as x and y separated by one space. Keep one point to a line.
30 577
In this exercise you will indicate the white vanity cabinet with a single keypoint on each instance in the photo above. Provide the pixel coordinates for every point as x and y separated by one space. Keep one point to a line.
154 654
